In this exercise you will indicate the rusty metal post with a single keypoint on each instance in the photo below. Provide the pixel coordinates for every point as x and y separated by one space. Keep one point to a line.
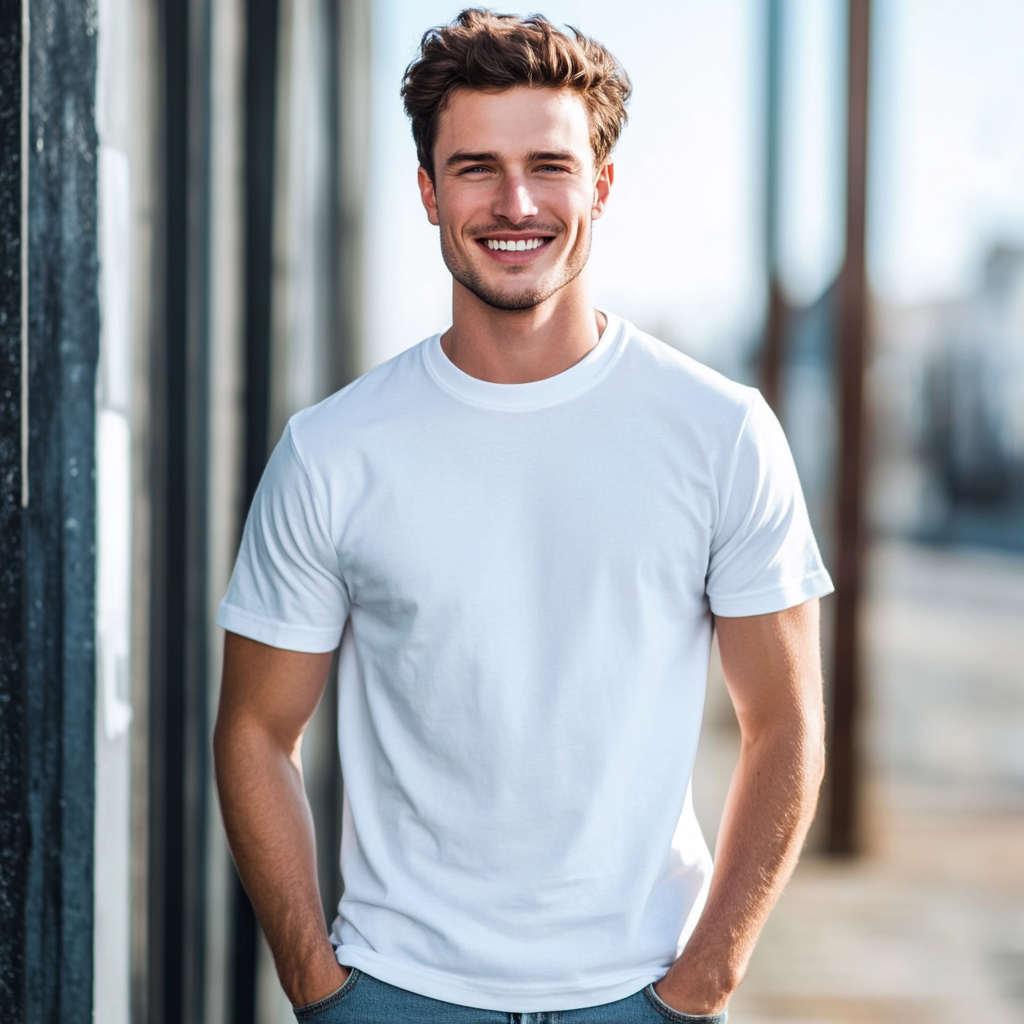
773 349
844 764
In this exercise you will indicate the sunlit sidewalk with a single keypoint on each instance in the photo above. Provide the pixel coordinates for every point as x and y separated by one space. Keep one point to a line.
928 925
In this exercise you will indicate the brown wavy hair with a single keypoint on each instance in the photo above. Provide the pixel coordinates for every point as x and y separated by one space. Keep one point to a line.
494 52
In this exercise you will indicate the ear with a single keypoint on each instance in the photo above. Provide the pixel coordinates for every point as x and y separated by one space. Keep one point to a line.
602 187
428 196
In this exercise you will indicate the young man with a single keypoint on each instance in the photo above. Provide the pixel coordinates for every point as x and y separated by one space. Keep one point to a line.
522 533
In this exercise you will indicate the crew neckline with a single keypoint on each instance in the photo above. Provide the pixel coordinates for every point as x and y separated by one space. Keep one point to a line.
535 394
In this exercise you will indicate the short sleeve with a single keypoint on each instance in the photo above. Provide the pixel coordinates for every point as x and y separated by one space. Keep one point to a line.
286 590
763 554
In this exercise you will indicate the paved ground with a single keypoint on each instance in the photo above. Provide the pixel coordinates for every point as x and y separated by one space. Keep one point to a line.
927 926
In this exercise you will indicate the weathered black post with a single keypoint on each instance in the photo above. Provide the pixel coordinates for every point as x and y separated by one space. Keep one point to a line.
14 776
260 134
844 767
178 727
47 508
773 349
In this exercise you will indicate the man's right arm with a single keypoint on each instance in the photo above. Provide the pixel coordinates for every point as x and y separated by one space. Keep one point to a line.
267 698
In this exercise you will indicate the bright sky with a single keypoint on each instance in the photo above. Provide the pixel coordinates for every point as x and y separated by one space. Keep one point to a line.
679 251
948 160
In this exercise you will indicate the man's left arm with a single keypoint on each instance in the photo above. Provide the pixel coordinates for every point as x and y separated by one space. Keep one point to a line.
772 666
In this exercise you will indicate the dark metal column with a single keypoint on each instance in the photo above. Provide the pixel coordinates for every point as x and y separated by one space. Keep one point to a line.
178 722
14 773
260 108
773 351
844 764
47 543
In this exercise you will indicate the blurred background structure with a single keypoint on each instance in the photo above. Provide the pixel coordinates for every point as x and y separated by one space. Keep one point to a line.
209 220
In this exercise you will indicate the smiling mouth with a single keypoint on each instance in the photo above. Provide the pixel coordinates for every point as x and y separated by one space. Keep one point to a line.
515 244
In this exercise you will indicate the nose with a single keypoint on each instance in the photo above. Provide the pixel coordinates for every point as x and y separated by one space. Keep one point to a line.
513 201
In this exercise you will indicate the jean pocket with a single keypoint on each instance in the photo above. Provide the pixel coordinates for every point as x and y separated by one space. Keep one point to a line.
668 1013
315 1012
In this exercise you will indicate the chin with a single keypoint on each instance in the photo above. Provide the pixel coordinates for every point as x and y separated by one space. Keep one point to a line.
505 290
510 299
515 295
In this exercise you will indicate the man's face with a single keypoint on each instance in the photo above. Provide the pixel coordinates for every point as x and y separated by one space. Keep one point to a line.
515 192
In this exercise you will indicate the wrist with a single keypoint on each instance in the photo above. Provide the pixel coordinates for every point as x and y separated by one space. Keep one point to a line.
316 979
696 992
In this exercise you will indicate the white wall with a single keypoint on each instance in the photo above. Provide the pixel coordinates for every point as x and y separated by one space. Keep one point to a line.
114 115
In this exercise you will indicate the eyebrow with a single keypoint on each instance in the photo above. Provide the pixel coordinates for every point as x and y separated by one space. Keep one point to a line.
462 157
563 158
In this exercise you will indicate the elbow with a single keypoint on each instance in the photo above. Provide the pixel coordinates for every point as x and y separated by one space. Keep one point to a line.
805 738
816 744
814 763
221 746
223 732
814 748
232 743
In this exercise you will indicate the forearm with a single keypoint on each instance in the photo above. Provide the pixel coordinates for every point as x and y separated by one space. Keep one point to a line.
270 832
768 810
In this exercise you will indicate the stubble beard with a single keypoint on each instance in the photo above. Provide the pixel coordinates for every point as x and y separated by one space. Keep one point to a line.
511 300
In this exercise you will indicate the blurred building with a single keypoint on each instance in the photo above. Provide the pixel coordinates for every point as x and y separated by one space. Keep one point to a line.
949 406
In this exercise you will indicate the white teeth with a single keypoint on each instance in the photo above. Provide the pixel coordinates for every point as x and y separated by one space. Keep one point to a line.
520 245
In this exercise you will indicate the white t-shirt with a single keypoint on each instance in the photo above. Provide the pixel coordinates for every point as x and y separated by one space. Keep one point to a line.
522 579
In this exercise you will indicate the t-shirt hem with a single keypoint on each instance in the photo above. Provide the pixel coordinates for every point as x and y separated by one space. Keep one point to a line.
776 599
516 998
304 639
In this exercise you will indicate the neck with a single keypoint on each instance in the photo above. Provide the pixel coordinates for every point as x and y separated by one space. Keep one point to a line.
525 345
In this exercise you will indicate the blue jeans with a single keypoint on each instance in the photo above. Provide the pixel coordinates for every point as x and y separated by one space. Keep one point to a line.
365 1000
